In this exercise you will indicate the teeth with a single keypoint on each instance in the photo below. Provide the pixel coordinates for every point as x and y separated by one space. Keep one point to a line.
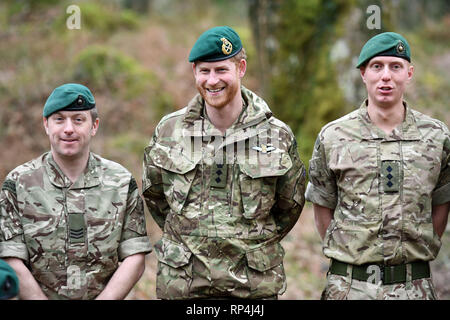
216 90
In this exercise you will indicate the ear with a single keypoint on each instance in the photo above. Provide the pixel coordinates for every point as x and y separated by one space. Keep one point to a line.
45 122
193 68
410 72
362 72
242 68
95 127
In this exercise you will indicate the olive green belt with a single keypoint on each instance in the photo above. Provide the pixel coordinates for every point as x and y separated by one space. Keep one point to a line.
388 274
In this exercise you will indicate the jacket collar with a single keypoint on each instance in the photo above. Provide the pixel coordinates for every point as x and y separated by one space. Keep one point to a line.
91 176
407 130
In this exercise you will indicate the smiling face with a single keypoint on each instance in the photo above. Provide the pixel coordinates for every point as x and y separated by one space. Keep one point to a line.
70 133
385 79
219 82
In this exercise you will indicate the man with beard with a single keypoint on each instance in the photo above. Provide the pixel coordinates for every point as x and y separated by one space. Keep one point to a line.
224 181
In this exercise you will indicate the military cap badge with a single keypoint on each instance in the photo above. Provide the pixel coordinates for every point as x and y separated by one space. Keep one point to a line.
227 47
400 47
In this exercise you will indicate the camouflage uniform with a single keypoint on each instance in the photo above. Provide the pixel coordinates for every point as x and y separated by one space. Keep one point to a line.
382 188
222 221
71 236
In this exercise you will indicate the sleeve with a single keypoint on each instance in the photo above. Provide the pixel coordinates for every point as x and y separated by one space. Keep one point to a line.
152 186
441 193
12 243
134 234
290 194
322 189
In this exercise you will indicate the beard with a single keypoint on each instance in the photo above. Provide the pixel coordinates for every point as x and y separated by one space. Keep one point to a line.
224 98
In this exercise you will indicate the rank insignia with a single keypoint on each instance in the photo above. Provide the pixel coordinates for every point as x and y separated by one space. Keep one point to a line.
264 148
390 176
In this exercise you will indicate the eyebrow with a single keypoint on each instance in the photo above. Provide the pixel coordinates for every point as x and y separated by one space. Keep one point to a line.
69 115
220 66
375 61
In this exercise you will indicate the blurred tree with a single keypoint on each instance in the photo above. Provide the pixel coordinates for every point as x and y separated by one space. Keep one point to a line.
293 40
140 6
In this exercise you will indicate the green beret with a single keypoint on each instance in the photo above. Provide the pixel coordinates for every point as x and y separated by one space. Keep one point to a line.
385 44
69 97
9 283
216 44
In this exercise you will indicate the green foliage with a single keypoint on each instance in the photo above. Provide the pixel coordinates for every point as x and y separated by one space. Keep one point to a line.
101 19
104 67
128 143
26 6
304 91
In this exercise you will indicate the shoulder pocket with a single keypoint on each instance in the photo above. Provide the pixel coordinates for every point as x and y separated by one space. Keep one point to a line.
267 165
258 182
172 159
177 173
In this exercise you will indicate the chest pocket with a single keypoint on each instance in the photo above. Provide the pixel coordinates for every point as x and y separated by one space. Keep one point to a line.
258 182
178 172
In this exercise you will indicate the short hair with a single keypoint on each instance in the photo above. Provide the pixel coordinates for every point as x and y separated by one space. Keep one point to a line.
94 113
239 56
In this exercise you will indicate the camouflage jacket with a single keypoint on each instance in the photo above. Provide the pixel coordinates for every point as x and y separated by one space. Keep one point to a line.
223 201
71 236
381 187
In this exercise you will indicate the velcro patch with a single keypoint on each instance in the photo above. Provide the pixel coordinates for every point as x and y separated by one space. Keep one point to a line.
390 175
76 228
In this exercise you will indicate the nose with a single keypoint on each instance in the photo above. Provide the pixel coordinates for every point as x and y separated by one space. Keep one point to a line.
68 127
386 74
212 79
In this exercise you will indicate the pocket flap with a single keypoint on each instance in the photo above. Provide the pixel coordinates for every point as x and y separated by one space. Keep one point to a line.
172 253
267 165
265 258
171 159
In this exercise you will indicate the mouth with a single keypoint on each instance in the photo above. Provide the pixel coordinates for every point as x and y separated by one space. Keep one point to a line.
69 141
385 89
215 91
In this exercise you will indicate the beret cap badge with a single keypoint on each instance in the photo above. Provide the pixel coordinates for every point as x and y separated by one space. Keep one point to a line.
400 47
227 47
80 101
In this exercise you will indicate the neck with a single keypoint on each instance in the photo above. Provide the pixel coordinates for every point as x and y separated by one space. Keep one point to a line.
386 118
72 167
224 117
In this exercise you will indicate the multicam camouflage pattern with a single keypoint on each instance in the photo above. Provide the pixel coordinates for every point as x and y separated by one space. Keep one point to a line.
345 288
37 205
221 238
381 187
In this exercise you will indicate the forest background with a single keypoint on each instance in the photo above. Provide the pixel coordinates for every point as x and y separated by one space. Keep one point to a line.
132 54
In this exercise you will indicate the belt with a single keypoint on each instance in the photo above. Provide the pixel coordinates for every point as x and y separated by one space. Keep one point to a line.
388 274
